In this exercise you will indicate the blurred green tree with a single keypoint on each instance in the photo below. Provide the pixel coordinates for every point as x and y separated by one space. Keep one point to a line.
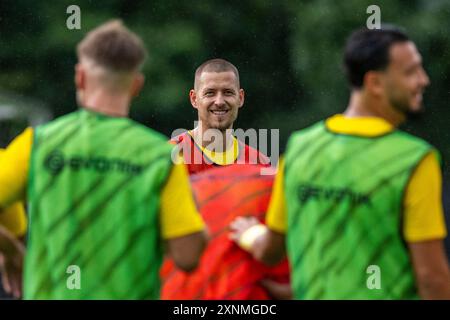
288 52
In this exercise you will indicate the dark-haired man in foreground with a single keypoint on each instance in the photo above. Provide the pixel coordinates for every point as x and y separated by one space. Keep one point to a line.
357 200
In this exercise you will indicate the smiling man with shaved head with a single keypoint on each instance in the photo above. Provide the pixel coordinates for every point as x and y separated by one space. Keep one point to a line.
217 95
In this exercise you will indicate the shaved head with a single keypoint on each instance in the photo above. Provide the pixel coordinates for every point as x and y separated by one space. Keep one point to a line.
215 65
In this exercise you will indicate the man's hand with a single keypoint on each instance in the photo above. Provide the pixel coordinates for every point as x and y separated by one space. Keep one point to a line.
264 244
241 224
277 290
11 262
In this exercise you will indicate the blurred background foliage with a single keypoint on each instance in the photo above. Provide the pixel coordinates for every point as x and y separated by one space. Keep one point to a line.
288 52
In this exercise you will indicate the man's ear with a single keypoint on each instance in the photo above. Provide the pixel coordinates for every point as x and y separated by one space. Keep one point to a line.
193 98
80 77
241 97
374 82
138 83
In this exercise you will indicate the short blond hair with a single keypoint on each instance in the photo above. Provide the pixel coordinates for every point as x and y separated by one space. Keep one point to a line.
216 65
114 47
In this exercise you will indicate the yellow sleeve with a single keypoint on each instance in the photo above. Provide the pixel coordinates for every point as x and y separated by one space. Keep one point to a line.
14 165
424 216
178 214
276 218
14 219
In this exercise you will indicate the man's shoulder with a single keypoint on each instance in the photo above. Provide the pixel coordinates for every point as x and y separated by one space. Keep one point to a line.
148 132
412 139
182 137
251 154
56 125
61 119
318 127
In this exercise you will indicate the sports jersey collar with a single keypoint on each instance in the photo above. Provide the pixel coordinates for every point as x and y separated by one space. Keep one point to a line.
87 112
220 158
360 126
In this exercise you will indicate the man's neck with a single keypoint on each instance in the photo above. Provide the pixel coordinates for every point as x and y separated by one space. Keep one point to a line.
362 106
117 105
213 139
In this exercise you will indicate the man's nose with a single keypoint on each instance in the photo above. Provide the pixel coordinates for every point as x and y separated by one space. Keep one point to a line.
220 101
424 79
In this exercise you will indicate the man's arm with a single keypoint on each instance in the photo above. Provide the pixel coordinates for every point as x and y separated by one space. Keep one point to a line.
14 166
14 219
270 248
181 225
277 290
187 250
431 269
424 230
266 246
11 262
